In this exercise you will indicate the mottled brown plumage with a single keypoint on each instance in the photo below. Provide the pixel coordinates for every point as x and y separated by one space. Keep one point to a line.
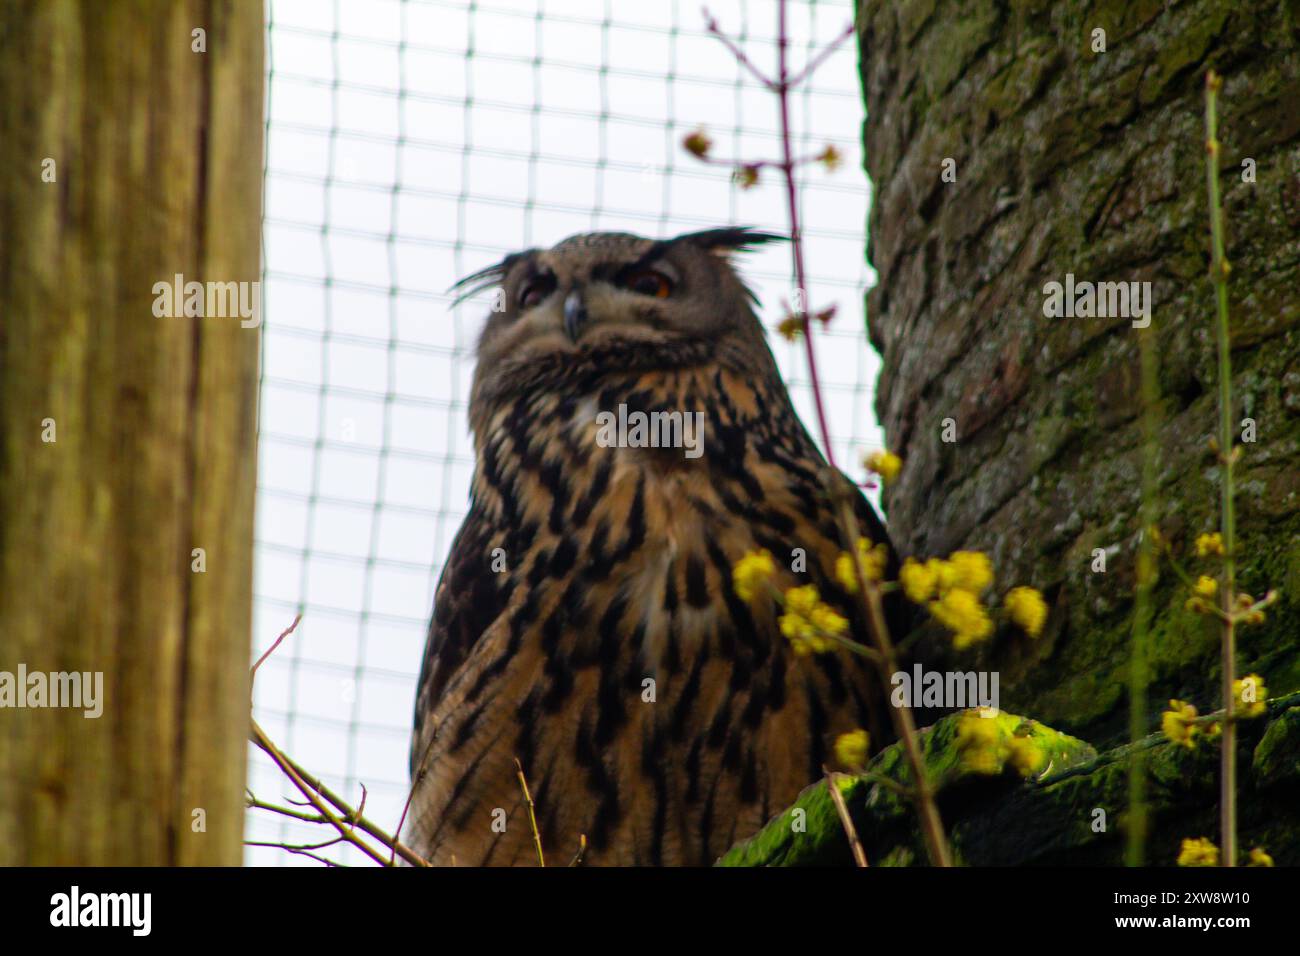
614 569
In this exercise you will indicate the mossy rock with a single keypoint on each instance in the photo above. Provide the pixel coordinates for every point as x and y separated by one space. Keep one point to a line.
1041 797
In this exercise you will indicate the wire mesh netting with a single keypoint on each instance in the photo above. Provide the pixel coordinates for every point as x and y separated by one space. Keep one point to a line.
408 144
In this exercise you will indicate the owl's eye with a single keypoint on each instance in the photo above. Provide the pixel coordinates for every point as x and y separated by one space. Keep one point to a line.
649 282
535 291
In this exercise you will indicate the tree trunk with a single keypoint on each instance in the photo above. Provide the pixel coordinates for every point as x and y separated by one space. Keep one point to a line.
1069 160
127 440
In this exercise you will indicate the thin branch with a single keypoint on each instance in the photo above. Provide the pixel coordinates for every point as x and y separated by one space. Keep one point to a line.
347 832
252 803
416 778
1139 668
252 674
823 56
292 849
904 725
796 233
1219 276
532 813
889 783
711 24
313 789
756 164
582 850
850 831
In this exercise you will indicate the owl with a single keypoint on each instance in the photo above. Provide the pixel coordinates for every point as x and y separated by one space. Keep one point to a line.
633 440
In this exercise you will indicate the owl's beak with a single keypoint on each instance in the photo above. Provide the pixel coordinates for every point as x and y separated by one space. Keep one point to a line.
575 315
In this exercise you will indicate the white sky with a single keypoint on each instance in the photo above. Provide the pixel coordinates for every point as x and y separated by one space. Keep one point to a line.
395 165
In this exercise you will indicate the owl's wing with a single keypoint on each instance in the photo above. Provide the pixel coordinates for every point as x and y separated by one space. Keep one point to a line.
470 596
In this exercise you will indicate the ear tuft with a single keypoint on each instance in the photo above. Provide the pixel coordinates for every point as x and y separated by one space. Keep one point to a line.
484 279
730 239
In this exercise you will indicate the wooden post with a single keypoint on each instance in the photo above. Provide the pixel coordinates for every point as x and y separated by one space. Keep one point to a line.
130 153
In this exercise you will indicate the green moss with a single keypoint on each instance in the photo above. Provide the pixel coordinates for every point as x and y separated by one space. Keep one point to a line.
1121 18
951 43
1072 812
810 831
1277 757
1183 49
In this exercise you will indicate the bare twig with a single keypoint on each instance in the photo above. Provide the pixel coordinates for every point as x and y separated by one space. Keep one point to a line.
796 233
850 831
1139 673
1219 276
711 24
904 725
582 850
822 56
346 831
313 790
321 798
288 848
532 813
252 803
252 674
416 778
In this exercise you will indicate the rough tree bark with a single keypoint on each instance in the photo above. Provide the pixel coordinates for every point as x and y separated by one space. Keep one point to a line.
156 157
1092 163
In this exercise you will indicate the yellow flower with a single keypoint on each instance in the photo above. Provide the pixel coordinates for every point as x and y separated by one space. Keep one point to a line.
874 559
884 463
1249 694
846 572
791 327
1179 723
698 144
851 748
830 157
918 580
1200 852
1206 587
1259 858
808 623
945 575
1207 544
961 612
746 176
803 599
825 619
751 573
971 570
979 742
1027 609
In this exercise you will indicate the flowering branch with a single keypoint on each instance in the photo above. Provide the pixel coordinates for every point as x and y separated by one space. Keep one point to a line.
1219 276
809 623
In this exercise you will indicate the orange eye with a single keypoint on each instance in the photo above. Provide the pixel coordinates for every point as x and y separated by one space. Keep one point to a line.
649 282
